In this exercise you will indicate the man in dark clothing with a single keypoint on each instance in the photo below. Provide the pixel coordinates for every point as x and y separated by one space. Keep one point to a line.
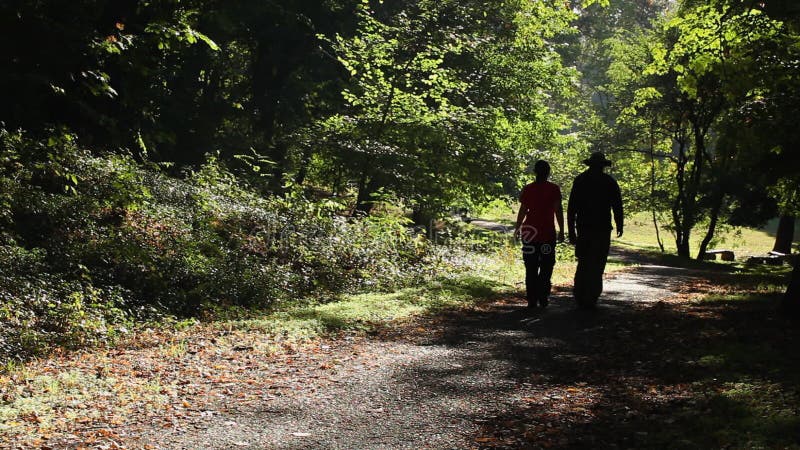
540 208
594 194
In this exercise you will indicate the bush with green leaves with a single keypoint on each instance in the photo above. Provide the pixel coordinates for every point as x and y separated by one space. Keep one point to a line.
40 309
89 243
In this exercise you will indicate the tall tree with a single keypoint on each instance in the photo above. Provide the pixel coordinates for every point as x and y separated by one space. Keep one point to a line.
435 87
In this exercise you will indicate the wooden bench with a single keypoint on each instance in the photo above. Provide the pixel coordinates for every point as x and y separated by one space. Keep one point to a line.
725 255
785 256
772 258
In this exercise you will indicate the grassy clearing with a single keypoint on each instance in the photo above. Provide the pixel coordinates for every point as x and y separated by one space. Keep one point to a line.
498 211
503 264
639 231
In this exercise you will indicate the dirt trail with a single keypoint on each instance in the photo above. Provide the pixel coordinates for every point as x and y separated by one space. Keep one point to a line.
437 385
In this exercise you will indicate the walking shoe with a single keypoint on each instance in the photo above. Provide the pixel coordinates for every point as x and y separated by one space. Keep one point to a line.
543 302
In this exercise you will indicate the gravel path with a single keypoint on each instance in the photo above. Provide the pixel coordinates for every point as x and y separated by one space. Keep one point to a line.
430 388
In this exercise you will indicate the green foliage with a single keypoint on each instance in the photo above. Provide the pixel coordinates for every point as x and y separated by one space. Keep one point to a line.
685 99
312 111
436 102
79 265
448 101
40 309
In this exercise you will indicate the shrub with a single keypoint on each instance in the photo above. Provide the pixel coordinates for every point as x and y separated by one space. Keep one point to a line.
91 242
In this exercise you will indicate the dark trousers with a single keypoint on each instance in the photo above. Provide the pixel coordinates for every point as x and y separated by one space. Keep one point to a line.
539 259
592 254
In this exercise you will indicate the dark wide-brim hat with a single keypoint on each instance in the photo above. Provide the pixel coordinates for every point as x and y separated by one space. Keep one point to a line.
597 159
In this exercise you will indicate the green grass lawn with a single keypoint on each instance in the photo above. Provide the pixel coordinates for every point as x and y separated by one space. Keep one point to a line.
639 231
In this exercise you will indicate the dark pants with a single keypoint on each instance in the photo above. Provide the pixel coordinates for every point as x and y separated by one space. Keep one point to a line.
539 259
592 254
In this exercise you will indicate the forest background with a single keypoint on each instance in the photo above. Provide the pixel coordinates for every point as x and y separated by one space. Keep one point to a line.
189 158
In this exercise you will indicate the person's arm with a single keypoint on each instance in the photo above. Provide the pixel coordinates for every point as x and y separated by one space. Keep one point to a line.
616 206
560 217
523 211
571 204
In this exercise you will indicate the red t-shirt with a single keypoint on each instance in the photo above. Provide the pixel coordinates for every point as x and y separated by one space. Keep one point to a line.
541 199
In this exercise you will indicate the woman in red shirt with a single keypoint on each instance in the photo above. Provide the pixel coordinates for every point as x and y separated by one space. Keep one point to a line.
540 209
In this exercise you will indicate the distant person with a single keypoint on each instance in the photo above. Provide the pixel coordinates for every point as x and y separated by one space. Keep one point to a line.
539 210
594 195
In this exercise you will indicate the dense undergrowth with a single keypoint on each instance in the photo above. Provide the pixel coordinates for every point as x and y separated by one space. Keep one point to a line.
93 245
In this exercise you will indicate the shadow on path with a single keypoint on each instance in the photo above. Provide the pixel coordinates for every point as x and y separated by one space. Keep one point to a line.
635 372
641 371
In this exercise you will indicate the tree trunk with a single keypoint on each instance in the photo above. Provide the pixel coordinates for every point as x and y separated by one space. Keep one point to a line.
683 249
653 186
689 186
272 65
681 214
678 223
785 235
366 187
791 299
684 231
305 160
712 226
658 233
